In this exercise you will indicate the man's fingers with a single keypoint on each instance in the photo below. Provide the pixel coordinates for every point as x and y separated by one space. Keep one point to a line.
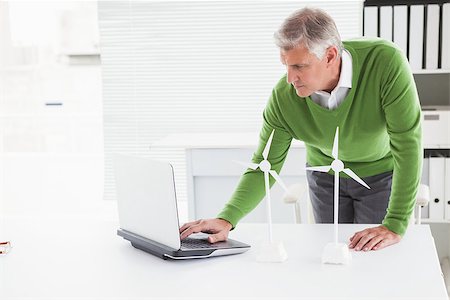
380 245
355 239
387 242
384 243
372 243
187 225
218 229
363 241
360 238
373 239
184 227
190 230
218 237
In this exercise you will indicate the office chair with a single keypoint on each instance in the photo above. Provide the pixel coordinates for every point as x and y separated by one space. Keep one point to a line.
422 200
297 195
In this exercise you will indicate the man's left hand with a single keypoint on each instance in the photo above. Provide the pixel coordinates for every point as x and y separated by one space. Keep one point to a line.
375 238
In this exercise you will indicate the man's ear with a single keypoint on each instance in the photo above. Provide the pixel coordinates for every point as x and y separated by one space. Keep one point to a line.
331 54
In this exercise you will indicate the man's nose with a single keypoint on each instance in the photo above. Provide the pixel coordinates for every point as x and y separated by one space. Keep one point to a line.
291 76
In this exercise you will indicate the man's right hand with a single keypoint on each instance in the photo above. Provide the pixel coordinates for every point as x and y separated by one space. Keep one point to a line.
217 228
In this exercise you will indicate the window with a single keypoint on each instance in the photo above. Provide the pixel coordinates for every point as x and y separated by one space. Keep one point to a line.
192 66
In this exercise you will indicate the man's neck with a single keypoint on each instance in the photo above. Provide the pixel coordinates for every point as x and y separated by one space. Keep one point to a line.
335 72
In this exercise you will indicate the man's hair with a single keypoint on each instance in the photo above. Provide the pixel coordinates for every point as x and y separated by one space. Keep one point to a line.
311 27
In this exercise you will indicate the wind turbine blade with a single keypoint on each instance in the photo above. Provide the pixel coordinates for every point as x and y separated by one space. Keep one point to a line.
267 148
355 177
278 179
320 168
248 165
335 151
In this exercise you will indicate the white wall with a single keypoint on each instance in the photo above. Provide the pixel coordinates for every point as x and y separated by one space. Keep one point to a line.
51 156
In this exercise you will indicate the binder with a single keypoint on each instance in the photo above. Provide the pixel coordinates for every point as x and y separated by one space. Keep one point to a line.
386 22
401 26
447 188
437 188
424 179
416 37
445 62
371 21
431 59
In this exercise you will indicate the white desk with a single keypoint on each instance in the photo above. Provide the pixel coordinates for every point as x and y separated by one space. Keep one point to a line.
82 258
212 176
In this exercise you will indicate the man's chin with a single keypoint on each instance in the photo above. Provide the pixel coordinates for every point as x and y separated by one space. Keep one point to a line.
303 94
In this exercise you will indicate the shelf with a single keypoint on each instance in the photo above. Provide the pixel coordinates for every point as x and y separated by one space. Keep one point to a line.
433 221
437 71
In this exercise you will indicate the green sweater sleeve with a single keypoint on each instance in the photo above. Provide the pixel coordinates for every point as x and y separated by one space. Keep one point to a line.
250 189
401 105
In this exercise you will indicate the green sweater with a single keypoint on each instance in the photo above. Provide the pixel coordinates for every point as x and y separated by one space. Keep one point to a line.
379 130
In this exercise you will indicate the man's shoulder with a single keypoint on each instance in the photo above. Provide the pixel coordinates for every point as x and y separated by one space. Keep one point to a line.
370 45
282 85
374 52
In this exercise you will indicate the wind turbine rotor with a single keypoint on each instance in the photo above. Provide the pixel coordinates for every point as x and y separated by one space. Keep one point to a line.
265 166
337 165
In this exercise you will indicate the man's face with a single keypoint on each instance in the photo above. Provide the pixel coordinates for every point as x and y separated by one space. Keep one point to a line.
305 71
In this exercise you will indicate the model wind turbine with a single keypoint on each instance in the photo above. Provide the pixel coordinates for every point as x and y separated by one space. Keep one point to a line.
270 251
337 253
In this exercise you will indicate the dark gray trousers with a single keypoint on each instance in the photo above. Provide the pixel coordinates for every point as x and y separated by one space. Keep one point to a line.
356 203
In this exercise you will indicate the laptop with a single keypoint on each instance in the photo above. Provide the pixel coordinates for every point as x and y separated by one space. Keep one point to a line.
148 214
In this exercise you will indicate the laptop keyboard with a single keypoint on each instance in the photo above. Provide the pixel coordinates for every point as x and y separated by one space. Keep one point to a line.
195 244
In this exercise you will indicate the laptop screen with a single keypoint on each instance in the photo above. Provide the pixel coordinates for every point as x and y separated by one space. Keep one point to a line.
146 199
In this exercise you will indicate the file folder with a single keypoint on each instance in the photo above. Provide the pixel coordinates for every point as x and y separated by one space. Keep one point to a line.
447 188
432 46
386 22
416 37
437 188
445 63
371 21
424 179
401 26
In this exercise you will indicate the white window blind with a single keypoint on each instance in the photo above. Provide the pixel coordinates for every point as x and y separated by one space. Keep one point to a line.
192 66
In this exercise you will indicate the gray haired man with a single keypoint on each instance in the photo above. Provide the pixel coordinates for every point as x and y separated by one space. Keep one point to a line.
366 88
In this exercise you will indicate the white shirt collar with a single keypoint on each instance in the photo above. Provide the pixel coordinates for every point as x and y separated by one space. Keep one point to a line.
345 79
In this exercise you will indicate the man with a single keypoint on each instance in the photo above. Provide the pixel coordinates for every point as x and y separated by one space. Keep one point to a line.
366 88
